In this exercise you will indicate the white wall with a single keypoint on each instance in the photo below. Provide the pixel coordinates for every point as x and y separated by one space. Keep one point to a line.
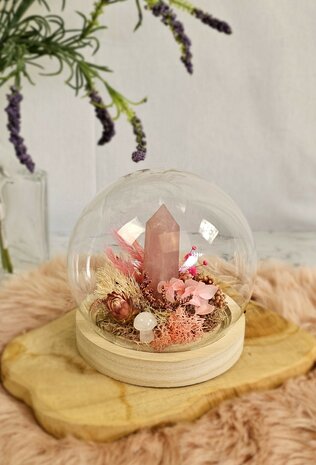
246 119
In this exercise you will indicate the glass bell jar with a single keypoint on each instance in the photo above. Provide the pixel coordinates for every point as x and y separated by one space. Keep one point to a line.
160 262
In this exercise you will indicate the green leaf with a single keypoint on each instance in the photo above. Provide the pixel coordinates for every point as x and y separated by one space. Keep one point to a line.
24 6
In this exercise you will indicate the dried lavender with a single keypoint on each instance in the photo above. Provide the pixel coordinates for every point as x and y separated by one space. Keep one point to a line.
169 18
103 116
14 126
209 20
141 149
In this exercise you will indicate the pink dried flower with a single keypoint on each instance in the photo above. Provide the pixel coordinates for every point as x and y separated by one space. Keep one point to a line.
124 266
131 266
173 288
120 308
181 328
193 270
190 260
200 294
135 251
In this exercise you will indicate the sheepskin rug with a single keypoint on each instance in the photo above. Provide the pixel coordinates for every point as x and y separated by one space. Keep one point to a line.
276 427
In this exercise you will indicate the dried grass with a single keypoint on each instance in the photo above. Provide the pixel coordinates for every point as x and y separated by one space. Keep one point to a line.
109 279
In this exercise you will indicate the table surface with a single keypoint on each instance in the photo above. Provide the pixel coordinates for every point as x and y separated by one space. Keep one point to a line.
297 248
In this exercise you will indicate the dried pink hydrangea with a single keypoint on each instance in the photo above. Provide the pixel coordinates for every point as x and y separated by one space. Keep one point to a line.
200 294
173 289
189 292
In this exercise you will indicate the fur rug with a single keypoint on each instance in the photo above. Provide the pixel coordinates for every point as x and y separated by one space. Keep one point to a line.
262 428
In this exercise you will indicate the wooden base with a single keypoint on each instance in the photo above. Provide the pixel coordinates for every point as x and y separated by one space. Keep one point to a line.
44 369
154 369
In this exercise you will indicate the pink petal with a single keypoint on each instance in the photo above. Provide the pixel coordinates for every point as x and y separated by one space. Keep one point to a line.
191 283
195 301
177 284
193 270
208 292
207 295
160 286
204 309
188 291
170 294
180 292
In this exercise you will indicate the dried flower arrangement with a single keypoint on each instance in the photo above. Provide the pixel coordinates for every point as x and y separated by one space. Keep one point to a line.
180 311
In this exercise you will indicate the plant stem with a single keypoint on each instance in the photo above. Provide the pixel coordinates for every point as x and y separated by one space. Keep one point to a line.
140 15
5 256
182 4
23 7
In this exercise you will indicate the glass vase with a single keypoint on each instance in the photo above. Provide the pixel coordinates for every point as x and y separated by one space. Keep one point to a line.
24 220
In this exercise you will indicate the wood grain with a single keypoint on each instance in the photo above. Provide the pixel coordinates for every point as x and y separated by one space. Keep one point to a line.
44 369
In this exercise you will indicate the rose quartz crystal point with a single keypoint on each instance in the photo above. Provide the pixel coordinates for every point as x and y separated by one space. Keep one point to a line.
161 251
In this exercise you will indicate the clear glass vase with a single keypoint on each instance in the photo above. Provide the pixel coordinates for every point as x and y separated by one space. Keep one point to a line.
24 220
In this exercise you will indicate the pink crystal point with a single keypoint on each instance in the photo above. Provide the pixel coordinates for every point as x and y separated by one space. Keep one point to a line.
161 252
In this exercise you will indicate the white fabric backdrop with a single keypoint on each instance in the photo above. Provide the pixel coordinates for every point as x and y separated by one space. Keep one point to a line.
246 119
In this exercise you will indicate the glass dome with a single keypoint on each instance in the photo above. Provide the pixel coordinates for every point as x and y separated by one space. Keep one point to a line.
162 261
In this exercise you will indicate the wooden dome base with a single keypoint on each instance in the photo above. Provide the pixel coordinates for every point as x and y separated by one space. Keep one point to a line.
154 369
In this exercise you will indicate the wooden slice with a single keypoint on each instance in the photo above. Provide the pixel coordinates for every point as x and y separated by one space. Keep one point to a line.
44 369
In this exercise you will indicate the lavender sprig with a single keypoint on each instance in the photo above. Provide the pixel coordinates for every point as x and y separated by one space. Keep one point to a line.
14 126
141 149
209 20
103 116
169 18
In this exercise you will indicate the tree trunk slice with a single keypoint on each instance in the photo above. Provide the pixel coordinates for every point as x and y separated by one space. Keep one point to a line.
44 369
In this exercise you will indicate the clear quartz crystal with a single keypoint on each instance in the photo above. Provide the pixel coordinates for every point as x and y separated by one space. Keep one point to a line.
25 222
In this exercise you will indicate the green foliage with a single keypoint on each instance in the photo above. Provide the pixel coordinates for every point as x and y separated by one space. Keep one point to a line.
26 38
4 253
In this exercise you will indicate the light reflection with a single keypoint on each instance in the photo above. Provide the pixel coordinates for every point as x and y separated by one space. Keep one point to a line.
208 231
88 264
131 231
